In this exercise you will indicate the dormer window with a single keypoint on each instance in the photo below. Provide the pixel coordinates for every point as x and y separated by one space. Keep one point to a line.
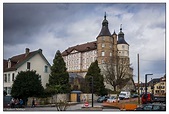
9 63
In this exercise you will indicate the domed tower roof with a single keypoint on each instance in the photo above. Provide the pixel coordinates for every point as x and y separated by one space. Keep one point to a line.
105 30
121 39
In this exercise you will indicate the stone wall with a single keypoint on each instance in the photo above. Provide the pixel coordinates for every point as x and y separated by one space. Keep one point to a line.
49 100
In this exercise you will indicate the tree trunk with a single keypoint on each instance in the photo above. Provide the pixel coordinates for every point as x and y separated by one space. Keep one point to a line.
114 86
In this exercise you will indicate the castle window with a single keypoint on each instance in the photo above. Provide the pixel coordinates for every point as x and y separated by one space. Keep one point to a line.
102 61
103 45
123 46
103 54
123 52
110 53
110 45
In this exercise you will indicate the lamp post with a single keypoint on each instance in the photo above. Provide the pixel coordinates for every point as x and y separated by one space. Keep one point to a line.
146 86
92 89
152 86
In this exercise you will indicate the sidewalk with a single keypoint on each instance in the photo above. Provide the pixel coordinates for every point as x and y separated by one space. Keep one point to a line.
53 105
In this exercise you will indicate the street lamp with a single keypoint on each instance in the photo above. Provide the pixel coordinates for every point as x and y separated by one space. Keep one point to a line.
146 86
152 86
92 89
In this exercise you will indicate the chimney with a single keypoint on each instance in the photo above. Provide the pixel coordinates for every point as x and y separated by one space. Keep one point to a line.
26 51
40 50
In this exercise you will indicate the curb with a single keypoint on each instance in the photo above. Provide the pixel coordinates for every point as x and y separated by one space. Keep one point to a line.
53 105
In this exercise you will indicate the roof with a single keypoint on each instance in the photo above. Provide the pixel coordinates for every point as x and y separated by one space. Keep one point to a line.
5 64
81 48
74 75
121 40
154 81
105 30
18 60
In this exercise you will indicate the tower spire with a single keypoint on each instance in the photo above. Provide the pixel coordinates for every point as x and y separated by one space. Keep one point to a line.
105 16
120 27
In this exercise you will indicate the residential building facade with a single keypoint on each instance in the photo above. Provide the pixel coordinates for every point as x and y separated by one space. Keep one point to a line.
107 46
156 86
34 60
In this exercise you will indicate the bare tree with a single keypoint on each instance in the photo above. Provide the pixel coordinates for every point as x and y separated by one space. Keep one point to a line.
117 72
62 105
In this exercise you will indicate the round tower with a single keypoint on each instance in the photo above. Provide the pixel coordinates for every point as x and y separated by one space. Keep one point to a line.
122 46
104 43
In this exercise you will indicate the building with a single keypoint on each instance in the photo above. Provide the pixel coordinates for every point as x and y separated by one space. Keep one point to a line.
157 86
34 60
77 82
106 49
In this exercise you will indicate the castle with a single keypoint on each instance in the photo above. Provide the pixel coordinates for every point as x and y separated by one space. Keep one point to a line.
106 49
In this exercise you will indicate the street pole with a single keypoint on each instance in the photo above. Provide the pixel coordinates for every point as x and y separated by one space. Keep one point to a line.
138 80
92 91
146 86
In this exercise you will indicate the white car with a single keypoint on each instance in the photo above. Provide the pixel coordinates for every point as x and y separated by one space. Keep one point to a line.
113 99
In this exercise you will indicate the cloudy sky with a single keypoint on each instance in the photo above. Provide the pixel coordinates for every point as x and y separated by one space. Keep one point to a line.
53 27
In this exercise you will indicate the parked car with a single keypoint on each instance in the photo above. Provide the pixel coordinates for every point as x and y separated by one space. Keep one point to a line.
113 99
152 107
124 95
147 99
134 96
6 101
102 99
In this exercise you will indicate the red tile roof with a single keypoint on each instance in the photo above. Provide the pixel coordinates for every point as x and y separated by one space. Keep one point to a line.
81 48
18 60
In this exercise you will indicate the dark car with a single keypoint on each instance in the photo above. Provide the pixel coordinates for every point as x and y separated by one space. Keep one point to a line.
6 101
152 107
102 99
134 96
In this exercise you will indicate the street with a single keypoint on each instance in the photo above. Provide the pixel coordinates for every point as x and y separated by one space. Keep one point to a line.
76 107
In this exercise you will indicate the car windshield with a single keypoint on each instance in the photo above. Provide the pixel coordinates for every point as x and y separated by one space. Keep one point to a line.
147 107
156 107
112 97
122 94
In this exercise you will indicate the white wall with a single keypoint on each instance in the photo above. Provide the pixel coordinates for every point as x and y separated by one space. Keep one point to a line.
123 50
38 64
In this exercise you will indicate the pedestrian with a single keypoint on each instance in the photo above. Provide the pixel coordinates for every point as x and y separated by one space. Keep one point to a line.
33 103
21 103
12 103
17 103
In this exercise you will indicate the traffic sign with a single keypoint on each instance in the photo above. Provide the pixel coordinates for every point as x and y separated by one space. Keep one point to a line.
86 104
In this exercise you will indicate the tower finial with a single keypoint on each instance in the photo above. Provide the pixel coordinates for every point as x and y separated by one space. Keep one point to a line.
105 15
120 27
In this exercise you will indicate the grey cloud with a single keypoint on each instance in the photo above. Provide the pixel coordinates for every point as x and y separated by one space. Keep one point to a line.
22 21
